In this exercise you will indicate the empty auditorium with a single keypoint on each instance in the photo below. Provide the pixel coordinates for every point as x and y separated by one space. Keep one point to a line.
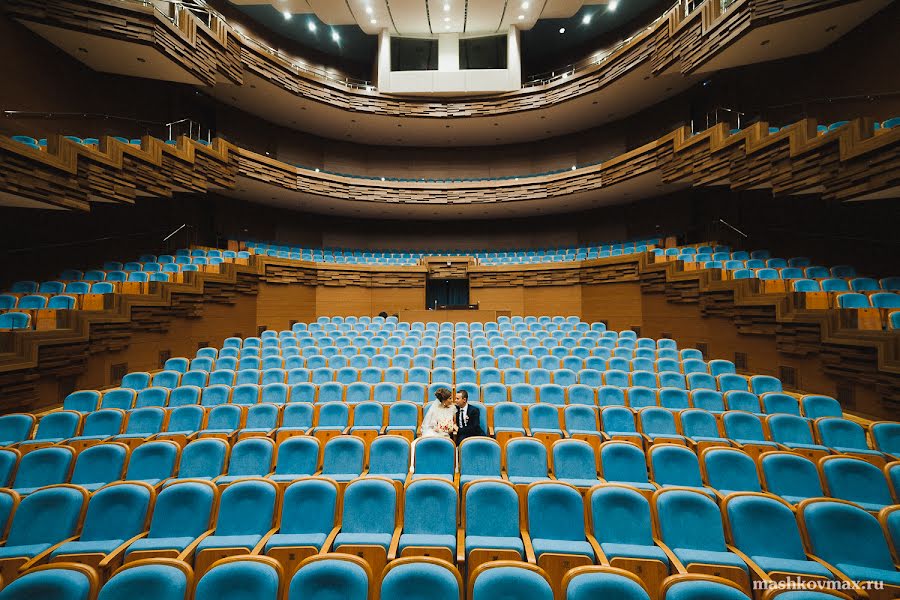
449 300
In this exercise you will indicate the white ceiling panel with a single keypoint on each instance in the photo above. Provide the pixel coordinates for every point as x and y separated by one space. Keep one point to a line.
409 17
562 9
448 16
331 12
371 15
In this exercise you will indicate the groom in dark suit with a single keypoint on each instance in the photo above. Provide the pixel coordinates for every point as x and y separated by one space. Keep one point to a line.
468 418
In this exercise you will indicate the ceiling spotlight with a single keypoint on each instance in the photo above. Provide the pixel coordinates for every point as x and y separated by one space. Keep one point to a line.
586 19
287 15
335 36
562 29
368 10
573 167
373 21
612 5
382 178
317 169
525 6
311 26
521 17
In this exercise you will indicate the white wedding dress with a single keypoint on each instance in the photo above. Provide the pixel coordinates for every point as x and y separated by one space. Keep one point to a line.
437 415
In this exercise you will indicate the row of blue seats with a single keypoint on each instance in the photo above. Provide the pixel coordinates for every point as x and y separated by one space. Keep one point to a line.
41 143
419 382
823 129
693 426
811 406
335 252
715 468
675 530
338 575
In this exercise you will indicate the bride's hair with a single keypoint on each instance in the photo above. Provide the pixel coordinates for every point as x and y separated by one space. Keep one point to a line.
442 394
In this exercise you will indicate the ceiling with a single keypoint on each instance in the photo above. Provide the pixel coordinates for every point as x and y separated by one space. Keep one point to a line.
348 29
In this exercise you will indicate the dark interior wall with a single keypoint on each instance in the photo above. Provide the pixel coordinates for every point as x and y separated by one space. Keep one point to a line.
39 244
848 79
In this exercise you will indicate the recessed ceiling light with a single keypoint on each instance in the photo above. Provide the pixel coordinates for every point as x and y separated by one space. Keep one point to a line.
521 17
613 5
335 36
317 169
287 15
586 19
573 167
525 6
446 6
311 26
382 178
562 29
373 21
368 10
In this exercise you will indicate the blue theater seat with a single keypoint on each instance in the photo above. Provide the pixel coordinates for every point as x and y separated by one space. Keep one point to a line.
429 516
620 523
857 481
555 521
241 578
690 524
793 478
589 583
765 529
181 514
245 516
851 540
62 581
158 579
308 519
505 581
421 579
369 515
332 576
115 515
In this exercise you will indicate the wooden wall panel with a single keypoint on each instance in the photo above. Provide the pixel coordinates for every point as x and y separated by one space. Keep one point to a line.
553 300
499 298
684 323
342 301
279 304
619 304
216 322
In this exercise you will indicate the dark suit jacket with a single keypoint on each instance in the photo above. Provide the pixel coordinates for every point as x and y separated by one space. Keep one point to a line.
473 427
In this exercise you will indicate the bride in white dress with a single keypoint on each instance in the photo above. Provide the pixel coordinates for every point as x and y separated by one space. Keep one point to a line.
440 416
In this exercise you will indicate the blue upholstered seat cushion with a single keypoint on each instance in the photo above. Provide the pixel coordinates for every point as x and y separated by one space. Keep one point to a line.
427 539
363 539
91 547
581 482
860 573
496 543
708 557
787 565
516 480
166 543
464 479
229 541
27 551
282 540
542 546
634 551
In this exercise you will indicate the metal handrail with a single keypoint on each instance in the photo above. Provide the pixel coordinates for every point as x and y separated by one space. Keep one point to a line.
595 59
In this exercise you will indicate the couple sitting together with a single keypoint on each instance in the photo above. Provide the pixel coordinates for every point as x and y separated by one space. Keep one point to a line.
451 417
